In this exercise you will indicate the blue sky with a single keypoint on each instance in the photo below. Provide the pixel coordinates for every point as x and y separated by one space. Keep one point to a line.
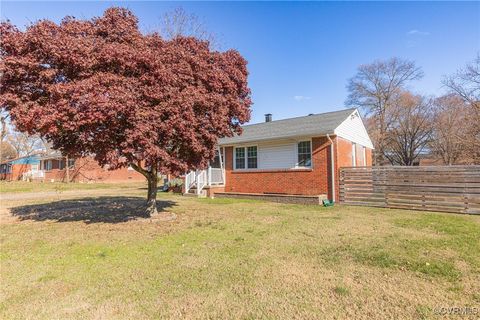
301 54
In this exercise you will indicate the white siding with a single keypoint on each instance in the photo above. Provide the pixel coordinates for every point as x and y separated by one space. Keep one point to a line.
277 154
354 130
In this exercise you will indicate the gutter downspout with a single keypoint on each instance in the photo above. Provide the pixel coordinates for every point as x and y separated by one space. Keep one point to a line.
332 160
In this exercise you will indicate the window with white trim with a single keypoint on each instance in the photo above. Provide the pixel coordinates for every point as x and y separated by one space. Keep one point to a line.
246 157
48 165
304 154
252 157
239 158
354 154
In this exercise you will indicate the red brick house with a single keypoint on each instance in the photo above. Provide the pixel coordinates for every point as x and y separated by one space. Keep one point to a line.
297 156
54 168
19 168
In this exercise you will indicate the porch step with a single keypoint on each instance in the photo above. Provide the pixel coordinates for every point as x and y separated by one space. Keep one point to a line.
193 193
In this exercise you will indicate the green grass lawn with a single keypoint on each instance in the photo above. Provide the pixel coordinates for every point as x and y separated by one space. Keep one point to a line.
91 258
21 186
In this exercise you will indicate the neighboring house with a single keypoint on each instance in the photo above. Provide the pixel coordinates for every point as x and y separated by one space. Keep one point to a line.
297 156
427 160
16 169
54 167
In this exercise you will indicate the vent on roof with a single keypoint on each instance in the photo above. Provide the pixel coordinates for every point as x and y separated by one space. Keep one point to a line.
268 117
311 114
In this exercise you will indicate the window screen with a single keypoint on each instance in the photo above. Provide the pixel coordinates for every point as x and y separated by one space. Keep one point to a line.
304 154
252 157
239 158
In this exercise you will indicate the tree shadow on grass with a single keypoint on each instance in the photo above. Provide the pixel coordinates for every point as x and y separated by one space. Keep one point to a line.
89 210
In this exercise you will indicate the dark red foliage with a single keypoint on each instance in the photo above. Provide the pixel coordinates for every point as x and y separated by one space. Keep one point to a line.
100 87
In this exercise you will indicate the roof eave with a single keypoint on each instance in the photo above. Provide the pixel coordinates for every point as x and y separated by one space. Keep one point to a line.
322 134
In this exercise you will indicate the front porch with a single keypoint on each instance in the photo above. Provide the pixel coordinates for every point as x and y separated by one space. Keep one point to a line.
202 182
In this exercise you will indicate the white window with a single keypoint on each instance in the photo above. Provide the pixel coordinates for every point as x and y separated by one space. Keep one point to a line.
48 165
246 157
252 157
239 158
304 154
354 154
71 163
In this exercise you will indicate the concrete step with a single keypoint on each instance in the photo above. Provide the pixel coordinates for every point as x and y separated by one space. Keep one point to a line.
193 193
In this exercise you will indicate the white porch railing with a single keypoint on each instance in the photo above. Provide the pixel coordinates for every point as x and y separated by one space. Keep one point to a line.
199 179
33 174
215 176
190 180
202 180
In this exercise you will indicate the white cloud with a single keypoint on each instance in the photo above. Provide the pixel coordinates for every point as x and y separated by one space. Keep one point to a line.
415 37
416 32
300 98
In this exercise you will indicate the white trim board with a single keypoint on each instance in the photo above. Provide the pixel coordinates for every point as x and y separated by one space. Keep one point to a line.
354 130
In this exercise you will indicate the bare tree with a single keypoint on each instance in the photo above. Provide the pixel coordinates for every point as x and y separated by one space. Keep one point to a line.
450 135
375 88
3 131
7 151
23 143
411 129
466 84
178 22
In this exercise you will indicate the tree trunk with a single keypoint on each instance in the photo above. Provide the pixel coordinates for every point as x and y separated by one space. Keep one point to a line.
152 194
67 169
152 181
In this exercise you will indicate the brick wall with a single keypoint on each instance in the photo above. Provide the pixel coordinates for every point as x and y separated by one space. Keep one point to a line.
343 158
369 157
313 181
16 172
292 199
284 181
359 155
88 170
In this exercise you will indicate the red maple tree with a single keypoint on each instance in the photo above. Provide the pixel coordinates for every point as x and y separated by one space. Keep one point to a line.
102 88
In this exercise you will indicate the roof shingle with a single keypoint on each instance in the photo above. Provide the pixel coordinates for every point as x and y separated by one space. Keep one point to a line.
317 124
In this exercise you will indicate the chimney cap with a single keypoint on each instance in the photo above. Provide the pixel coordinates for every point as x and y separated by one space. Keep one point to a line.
268 117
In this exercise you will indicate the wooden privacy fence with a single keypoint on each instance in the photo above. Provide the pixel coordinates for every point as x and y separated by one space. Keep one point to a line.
439 188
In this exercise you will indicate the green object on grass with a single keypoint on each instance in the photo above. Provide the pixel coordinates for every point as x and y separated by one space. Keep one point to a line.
327 203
